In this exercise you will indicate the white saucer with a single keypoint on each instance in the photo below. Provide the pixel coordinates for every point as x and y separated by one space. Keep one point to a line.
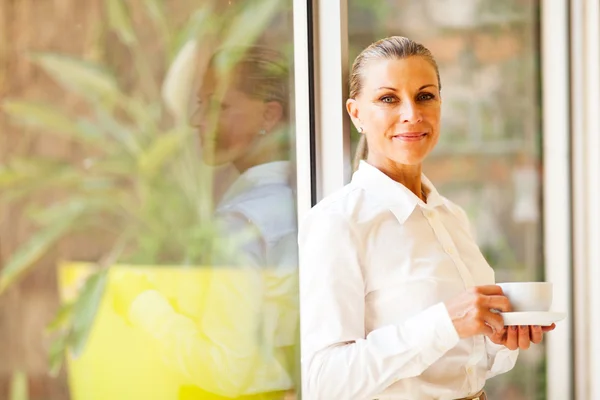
542 318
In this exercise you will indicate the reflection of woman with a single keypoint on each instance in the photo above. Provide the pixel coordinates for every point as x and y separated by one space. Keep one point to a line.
242 346
395 294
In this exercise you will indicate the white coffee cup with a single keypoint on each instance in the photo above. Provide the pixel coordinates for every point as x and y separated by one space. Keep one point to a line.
528 296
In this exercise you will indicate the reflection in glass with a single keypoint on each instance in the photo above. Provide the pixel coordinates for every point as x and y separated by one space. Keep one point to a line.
162 189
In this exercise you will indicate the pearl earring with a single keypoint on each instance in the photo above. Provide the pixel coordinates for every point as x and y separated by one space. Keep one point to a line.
360 129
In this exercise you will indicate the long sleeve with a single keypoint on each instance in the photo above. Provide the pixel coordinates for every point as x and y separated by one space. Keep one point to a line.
339 361
500 358
221 352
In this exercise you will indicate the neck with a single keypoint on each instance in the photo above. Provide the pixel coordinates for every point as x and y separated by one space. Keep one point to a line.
265 150
407 175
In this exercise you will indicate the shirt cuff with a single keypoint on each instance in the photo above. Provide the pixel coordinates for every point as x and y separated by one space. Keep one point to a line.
500 358
435 332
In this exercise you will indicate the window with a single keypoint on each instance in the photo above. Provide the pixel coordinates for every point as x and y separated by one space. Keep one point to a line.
148 194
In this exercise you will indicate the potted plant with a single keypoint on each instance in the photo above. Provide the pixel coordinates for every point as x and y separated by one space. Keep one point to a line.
141 180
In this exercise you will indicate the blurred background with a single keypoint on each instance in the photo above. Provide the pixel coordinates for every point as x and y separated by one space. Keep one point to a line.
149 148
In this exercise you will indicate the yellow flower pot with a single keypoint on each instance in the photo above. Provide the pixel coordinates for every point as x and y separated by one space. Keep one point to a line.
119 361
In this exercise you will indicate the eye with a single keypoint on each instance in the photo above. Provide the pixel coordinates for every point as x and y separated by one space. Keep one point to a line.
388 99
214 104
425 96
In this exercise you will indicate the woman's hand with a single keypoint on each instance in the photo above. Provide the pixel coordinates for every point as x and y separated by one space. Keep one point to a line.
520 337
471 312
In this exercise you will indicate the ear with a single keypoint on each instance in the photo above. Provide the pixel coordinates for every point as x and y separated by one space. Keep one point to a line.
272 115
353 112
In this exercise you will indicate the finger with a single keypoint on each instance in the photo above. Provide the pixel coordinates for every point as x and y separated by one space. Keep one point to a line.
487 330
548 328
495 321
523 339
499 337
512 342
488 290
498 302
495 336
536 334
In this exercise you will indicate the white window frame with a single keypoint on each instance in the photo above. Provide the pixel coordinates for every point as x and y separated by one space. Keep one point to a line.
331 91
302 108
557 190
585 128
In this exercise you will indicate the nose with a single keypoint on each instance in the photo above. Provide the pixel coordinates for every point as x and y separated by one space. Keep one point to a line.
410 112
198 117
195 119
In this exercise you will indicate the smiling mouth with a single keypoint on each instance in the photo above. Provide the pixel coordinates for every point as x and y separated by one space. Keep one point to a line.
410 136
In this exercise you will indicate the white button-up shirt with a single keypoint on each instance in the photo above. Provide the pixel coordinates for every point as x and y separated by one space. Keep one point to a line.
376 265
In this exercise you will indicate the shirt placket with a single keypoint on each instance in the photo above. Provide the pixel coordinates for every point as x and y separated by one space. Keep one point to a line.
449 247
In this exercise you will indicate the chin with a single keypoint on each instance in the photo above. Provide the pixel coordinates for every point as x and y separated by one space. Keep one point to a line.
408 159
212 159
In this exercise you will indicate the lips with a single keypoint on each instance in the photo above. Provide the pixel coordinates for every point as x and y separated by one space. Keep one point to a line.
410 136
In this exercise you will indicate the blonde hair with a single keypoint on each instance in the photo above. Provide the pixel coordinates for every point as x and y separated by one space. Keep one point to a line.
390 48
264 71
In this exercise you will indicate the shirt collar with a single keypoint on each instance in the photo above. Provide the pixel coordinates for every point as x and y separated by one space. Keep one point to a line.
273 173
394 195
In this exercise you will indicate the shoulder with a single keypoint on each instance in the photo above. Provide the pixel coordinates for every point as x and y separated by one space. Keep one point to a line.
459 213
336 212
455 209
344 204
271 208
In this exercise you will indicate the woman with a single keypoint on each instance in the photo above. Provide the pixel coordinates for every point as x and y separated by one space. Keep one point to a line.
395 296
240 342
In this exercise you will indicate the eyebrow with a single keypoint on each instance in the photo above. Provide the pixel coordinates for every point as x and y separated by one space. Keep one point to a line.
393 89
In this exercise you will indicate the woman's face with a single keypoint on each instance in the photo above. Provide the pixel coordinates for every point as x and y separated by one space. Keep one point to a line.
399 110
228 120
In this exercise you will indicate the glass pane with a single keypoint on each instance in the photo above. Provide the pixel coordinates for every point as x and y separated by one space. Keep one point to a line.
147 200
488 158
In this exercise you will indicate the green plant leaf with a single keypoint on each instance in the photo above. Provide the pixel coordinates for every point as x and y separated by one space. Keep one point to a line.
39 115
82 77
62 318
51 120
26 177
7 177
120 133
56 353
19 386
251 22
156 11
120 21
33 166
144 116
201 21
28 253
161 150
85 311
48 215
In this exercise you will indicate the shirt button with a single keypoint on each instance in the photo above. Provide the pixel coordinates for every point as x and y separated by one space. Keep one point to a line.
450 251
470 371
429 214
